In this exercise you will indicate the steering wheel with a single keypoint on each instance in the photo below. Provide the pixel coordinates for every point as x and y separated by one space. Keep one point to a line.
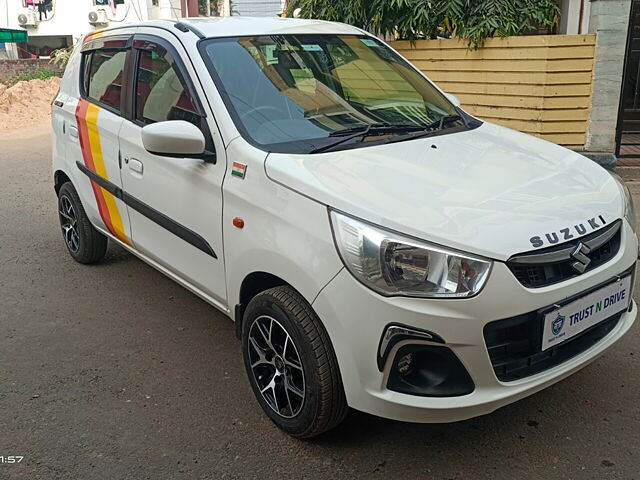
260 109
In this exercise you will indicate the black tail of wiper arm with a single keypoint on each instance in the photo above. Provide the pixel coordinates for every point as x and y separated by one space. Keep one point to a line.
438 124
428 130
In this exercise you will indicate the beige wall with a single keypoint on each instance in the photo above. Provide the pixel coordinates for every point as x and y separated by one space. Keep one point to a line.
537 84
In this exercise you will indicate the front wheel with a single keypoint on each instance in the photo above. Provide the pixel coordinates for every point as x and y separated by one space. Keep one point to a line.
291 364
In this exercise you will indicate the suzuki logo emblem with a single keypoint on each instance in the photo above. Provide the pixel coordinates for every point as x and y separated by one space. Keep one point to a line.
581 261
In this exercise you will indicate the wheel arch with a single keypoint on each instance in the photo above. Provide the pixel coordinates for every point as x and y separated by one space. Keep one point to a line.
60 178
305 266
253 284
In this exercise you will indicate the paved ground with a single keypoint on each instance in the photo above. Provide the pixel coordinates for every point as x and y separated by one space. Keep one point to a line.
113 371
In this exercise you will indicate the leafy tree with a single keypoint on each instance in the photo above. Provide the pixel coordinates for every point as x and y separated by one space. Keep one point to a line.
61 56
473 20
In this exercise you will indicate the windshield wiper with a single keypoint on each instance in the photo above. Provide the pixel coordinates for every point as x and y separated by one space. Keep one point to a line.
347 134
443 120
430 129
412 130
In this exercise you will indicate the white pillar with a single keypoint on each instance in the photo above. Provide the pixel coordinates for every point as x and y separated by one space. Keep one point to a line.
610 21
574 16
226 8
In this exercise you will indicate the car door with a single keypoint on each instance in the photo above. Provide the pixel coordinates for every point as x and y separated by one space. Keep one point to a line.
93 118
174 204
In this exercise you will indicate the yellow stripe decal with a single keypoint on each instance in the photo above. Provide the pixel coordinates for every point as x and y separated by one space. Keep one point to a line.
98 160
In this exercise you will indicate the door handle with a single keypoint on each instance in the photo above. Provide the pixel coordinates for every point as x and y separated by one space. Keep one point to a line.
135 165
73 131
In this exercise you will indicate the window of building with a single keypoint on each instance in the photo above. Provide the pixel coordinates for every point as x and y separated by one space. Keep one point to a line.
104 76
161 93
104 3
30 3
43 7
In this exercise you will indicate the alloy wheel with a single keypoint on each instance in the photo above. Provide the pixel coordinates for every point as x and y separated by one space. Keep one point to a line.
276 366
69 224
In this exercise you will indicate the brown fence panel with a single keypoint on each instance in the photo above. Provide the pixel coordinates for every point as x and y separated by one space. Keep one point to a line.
536 84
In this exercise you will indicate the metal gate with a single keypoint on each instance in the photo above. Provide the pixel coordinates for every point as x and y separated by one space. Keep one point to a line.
628 130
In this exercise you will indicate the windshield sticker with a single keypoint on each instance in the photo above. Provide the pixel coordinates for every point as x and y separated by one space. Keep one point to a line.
312 48
369 43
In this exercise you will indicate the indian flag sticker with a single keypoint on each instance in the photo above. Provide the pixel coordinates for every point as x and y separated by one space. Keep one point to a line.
238 170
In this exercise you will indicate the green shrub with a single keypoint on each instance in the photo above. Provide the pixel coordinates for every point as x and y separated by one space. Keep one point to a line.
39 74
472 20
61 56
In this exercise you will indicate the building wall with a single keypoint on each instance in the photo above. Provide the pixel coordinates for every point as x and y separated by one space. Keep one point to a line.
536 84
166 9
70 17
257 8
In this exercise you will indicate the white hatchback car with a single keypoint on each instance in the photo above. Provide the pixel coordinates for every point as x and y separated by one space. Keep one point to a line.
377 246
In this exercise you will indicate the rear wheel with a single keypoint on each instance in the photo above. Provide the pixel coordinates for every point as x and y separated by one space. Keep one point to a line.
291 364
83 241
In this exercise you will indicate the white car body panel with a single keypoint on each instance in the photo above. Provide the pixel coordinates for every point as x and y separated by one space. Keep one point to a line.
187 190
285 233
108 125
486 191
350 311
240 26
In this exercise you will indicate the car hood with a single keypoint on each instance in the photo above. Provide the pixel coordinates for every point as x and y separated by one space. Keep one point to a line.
487 191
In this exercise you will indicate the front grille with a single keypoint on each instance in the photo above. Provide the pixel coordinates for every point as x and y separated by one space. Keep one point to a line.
556 264
514 344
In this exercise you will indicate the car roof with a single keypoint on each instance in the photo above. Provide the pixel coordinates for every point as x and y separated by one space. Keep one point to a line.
212 27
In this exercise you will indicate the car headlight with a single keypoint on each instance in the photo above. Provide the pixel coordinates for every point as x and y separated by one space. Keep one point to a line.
629 208
392 264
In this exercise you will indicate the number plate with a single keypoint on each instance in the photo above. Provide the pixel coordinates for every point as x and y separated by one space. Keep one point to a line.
575 317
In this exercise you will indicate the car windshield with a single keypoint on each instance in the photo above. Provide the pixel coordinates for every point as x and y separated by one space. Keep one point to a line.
301 93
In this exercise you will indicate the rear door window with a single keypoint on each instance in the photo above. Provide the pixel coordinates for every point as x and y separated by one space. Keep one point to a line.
105 73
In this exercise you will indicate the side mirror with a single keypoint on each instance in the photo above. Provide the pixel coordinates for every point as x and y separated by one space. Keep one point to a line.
174 138
453 99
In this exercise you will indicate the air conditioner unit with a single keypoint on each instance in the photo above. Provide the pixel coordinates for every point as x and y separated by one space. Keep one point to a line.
28 18
98 17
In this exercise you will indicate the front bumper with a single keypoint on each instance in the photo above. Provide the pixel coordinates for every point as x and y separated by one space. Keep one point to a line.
355 318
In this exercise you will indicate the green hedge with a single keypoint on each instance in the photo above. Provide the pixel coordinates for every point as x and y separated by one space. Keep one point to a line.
39 74
473 20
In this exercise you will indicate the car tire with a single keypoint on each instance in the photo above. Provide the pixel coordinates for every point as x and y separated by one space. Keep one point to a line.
291 364
85 244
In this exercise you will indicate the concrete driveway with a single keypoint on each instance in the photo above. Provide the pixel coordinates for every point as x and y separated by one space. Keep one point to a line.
113 371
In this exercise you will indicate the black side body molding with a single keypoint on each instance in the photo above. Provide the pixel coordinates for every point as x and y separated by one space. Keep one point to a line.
151 213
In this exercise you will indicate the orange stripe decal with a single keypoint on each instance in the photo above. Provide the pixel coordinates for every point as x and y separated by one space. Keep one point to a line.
93 35
87 119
